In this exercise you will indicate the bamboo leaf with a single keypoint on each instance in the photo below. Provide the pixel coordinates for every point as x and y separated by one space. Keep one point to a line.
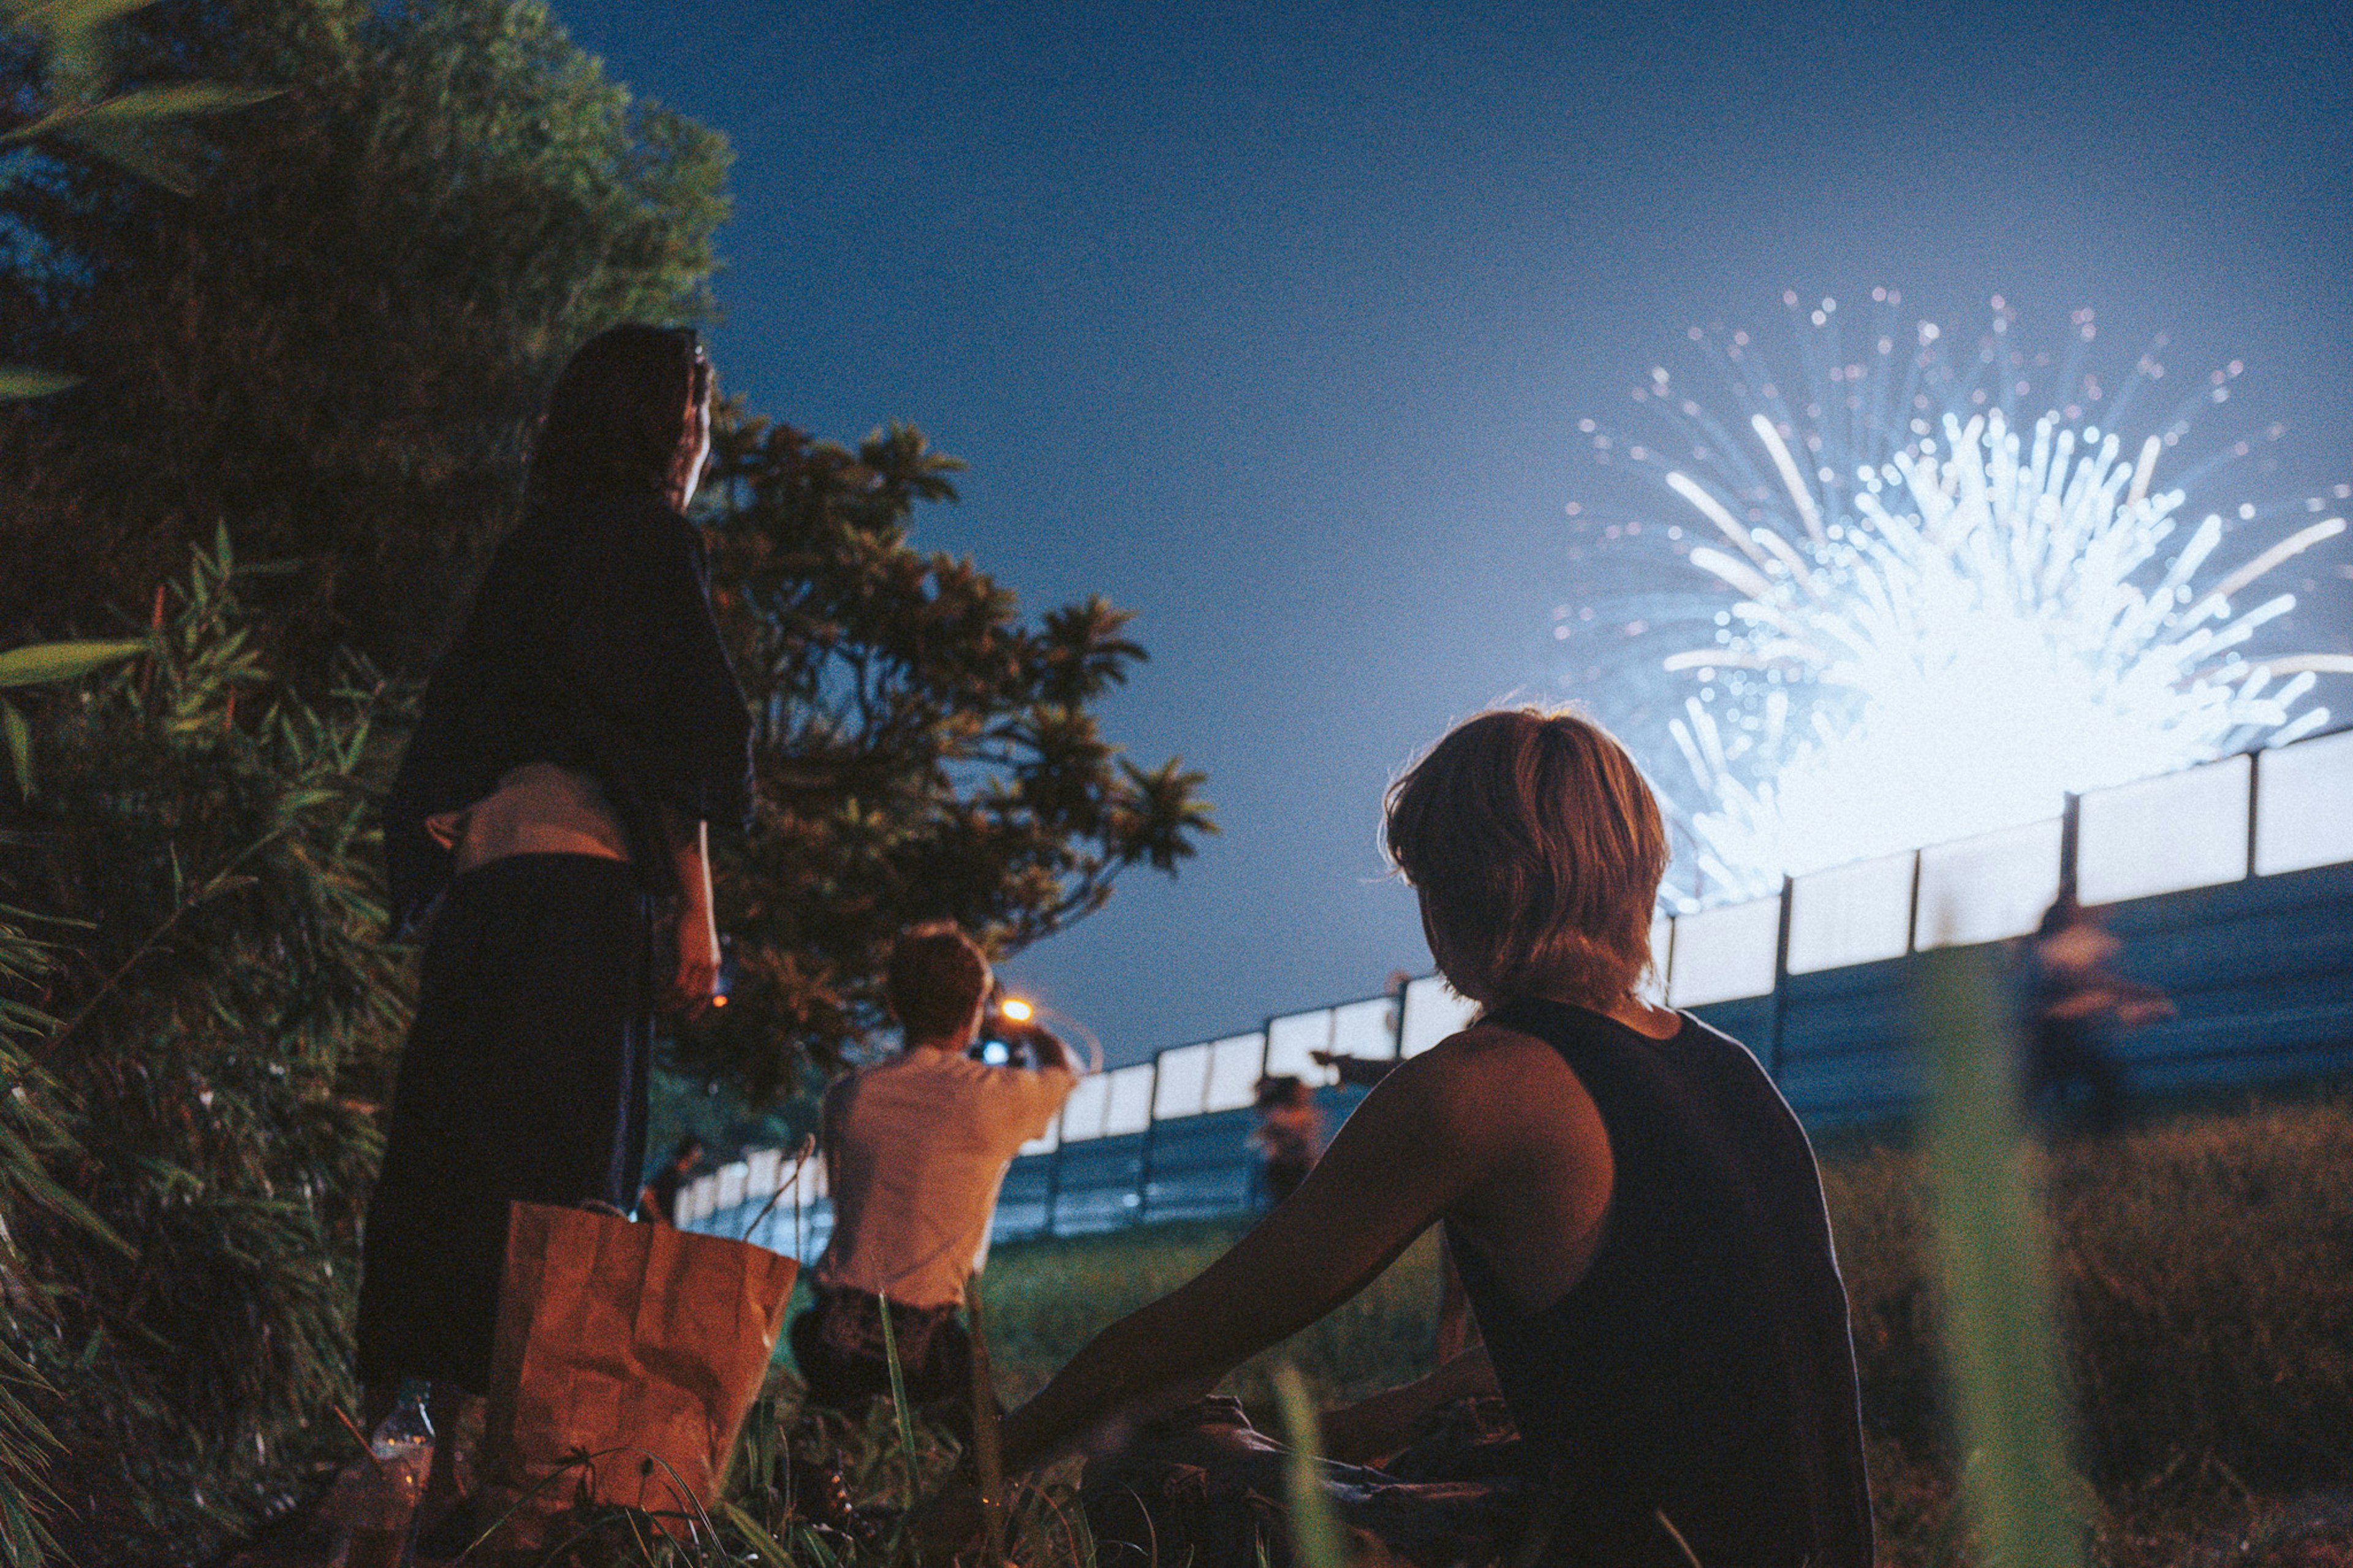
20 747
18 381
139 107
40 663
55 16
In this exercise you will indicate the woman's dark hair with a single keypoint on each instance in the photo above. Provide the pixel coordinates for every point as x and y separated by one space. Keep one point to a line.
619 416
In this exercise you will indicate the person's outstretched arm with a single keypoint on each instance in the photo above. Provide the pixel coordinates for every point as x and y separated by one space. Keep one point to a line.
1416 1144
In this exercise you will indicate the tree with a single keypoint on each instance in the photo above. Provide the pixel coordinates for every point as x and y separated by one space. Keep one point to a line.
923 752
334 336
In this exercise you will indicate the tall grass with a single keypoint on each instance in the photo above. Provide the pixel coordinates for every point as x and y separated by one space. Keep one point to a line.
1991 1262
2201 1275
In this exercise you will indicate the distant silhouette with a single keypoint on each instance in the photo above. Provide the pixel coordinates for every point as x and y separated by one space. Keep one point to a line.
2078 1000
1288 1136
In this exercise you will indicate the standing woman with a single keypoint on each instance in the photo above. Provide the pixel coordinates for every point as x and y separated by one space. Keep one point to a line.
576 742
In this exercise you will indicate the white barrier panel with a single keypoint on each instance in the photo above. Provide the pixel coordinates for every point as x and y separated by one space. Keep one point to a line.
1290 1039
2303 806
1851 914
763 1165
1234 1065
1367 1029
1724 954
2161 834
698 1200
1433 1012
731 1185
1990 888
1184 1082
1130 1107
1654 988
1082 1113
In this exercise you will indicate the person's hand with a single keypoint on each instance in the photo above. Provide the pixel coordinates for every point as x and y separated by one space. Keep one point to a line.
697 979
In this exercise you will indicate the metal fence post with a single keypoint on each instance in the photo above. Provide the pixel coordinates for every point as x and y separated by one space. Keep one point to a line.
1912 920
1151 1136
2254 804
1054 1176
1781 979
2070 846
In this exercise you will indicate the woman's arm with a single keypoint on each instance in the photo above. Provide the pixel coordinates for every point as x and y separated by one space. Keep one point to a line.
1409 1152
697 979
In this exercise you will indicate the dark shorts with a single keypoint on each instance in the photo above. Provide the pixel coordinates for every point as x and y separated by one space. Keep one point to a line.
838 1346
524 1077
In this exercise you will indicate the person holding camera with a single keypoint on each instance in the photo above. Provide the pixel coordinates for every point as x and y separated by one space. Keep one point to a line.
916 1147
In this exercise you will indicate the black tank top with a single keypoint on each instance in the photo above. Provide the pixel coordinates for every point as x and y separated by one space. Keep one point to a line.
1702 1367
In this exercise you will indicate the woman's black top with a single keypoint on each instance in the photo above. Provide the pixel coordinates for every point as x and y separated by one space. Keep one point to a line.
590 644
1702 1367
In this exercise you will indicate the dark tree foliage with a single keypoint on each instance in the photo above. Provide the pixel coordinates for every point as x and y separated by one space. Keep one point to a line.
923 750
333 337
217 1034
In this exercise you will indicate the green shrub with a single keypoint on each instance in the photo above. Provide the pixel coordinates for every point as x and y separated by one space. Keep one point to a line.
226 1020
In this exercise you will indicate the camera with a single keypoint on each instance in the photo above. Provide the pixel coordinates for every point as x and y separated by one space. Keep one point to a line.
1010 1034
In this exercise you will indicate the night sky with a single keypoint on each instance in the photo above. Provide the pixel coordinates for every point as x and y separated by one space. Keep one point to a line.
1274 323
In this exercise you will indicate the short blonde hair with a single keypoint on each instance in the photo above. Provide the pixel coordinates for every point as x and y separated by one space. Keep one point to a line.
1538 849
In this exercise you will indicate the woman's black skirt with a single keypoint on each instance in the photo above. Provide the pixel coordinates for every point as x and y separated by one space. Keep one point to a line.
524 1078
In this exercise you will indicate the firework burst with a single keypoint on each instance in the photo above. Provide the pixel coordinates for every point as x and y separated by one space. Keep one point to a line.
1934 616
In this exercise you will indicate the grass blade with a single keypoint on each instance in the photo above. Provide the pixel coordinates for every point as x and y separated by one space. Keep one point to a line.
1993 1265
40 663
989 1457
899 1404
21 381
1315 1541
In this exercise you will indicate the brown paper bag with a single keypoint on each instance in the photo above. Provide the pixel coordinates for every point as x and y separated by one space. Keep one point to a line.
625 1358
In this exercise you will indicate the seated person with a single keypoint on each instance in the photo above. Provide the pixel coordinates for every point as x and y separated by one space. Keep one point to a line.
1634 1209
916 1147
657 1199
1288 1137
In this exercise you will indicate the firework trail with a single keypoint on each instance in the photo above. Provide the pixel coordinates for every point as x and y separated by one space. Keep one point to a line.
1934 615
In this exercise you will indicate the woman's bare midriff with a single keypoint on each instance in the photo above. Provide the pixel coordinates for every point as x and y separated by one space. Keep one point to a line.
537 809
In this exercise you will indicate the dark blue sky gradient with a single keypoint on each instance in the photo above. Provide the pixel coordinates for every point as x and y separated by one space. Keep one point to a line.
1273 323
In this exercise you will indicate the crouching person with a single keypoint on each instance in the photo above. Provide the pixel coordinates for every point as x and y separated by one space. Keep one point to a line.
916 1147
1635 1212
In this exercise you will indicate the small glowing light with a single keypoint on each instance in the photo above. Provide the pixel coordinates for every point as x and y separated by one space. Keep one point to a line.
1016 1009
720 1000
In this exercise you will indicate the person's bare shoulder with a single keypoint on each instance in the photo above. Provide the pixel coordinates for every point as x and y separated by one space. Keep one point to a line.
1498 1084
1480 1085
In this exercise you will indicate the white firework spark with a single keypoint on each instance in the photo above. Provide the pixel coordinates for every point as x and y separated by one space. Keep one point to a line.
1944 632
